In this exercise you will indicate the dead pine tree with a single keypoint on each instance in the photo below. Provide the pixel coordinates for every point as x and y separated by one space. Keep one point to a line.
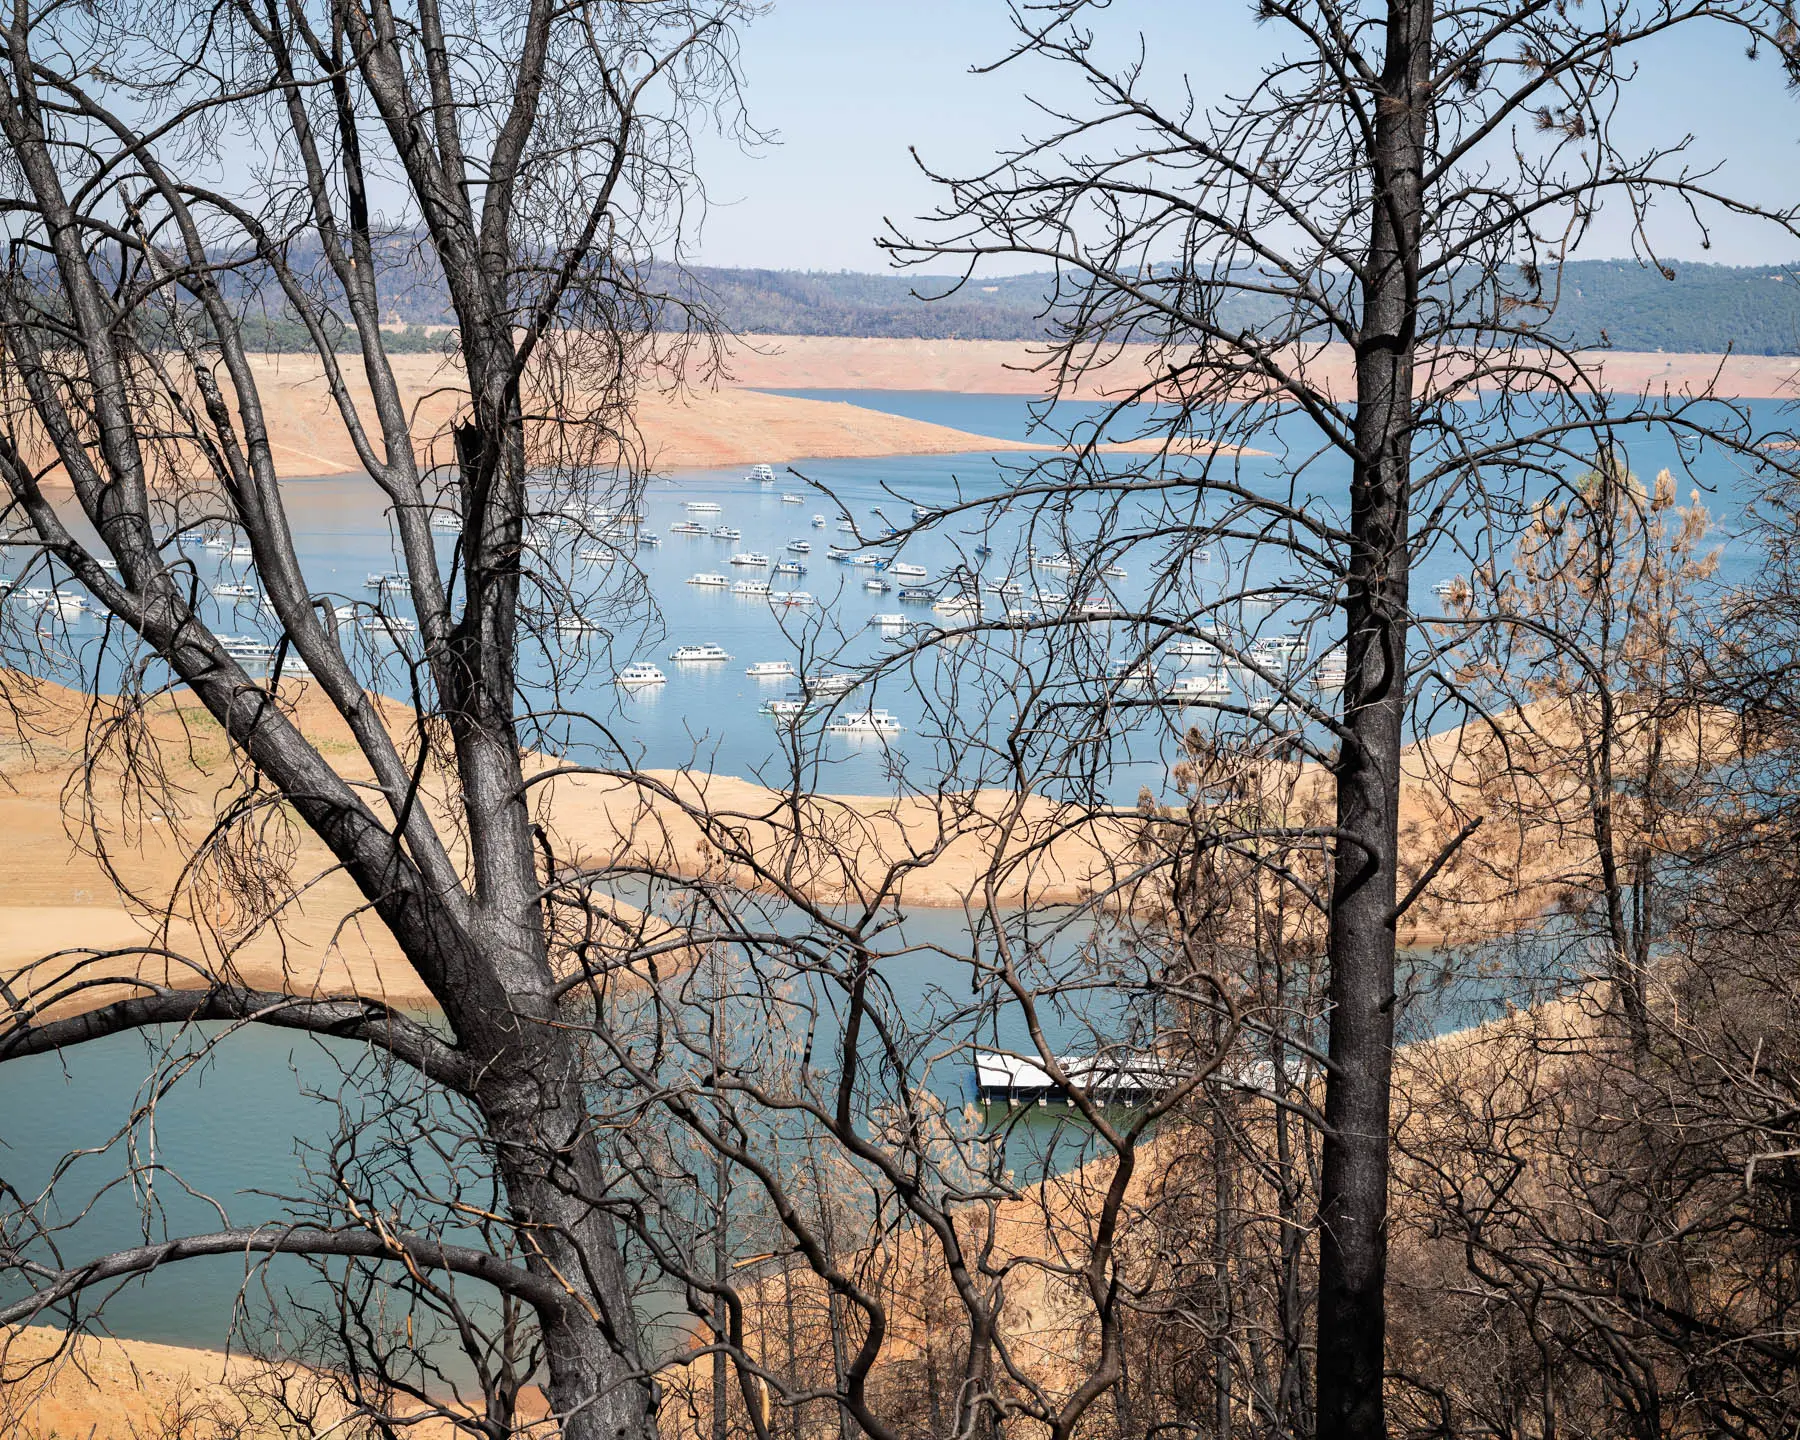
529 159
1352 263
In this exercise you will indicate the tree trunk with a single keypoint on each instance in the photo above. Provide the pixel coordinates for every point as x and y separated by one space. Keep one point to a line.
1352 1317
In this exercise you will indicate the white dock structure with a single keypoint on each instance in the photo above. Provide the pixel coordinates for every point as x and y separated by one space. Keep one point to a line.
1114 1079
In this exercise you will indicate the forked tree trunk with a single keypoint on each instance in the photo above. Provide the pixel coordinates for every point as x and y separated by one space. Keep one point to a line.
1352 1317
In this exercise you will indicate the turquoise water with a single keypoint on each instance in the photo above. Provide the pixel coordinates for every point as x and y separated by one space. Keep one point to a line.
240 1122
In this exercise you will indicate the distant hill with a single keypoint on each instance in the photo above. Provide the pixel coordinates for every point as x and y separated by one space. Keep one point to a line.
1706 308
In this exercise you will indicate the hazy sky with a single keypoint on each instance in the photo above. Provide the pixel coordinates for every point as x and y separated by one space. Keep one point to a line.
850 84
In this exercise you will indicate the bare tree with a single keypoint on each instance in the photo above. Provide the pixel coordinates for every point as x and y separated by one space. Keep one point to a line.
1355 264
534 157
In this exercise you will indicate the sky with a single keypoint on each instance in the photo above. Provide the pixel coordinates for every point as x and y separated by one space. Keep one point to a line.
848 85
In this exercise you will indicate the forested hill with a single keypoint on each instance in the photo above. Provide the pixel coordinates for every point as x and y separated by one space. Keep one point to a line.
1707 308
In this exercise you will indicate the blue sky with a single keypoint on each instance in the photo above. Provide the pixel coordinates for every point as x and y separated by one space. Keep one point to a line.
850 84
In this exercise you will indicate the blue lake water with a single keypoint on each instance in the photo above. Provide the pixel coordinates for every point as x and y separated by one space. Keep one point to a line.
236 1125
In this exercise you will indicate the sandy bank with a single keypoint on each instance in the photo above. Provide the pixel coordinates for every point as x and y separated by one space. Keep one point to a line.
1015 367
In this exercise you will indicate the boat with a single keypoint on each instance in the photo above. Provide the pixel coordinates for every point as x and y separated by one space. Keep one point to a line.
709 580
891 620
1141 676
446 520
650 541
598 556
1275 707
829 684
217 542
921 512
792 597
964 604
761 475
1455 588
1058 561
252 648
867 722
1331 676
782 709
750 587
1192 650
234 592
772 670
700 507
576 625
1114 572
1021 615
640 673
240 551
1002 587
392 624
864 560
1210 686
917 595
818 522
699 654
800 547
983 551
879 587
900 570
750 557
789 567
792 500
688 527
727 532
840 553
1097 608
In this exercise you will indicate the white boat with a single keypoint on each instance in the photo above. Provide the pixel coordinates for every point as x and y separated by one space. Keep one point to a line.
901 570
1455 588
640 673
688 527
1021 615
762 475
1114 572
783 709
800 547
751 557
1007 588
878 587
801 598
576 625
446 520
958 605
1331 676
217 542
238 591
792 500
772 670
598 557
240 551
699 654
829 684
917 595
921 512
789 567
392 624
891 620
1211 686
750 587
818 522
727 532
700 507
1141 676
1058 561
709 580
1097 608
344 612
867 722
651 541
865 560
1192 650
247 647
